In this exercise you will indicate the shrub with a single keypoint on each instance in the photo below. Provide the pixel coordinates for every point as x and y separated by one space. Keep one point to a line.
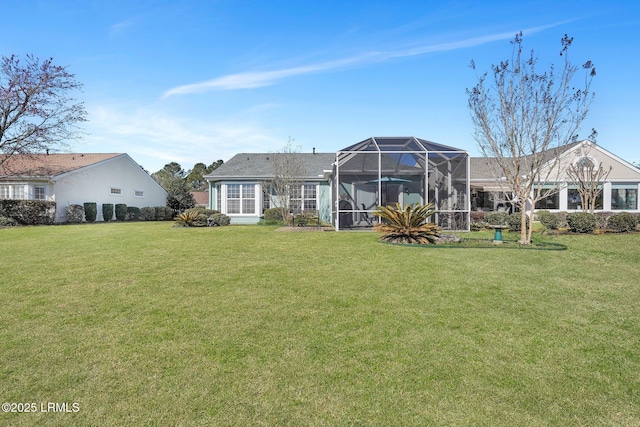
7 222
408 224
186 219
90 211
203 211
514 221
602 219
273 214
548 220
497 218
581 222
148 214
29 212
75 214
107 212
219 219
623 222
165 213
121 211
133 213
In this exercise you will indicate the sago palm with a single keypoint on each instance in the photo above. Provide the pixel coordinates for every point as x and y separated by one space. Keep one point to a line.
408 224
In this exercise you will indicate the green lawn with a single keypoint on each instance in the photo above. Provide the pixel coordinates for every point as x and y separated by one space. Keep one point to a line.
145 324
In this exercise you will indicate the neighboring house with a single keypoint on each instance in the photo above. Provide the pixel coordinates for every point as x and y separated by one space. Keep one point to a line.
344 188
619 190
201 198
78 178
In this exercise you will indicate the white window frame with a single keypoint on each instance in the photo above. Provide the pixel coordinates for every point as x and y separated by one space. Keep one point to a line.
118 193
241 199
139 196
35 192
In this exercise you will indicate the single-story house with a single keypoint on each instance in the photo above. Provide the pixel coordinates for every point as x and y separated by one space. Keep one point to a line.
619 190
69 179
345 187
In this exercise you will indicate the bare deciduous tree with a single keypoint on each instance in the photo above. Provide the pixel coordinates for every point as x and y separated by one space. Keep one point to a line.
37 112
288 172
523 119
588 178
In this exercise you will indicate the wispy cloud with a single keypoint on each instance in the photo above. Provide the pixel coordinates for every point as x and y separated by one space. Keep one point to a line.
155 137
255 79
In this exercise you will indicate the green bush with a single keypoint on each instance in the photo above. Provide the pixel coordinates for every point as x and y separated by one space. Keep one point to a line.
121 211
29 212
75 214
273 214
90 211
133 213
581 222
514 221
548 220
107 212
623 222
202 211
7 222
220 219
148 214
497 218
602 219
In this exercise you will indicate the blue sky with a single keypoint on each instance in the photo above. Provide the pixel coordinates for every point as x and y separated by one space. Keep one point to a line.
196 81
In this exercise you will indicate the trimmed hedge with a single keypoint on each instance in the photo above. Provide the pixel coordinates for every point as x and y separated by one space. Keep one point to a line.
548 220
623 222
75 214
273 214
29 212
497 218
148 213
7 222
107 212
90 211
582 222
121 211
133 213
219 219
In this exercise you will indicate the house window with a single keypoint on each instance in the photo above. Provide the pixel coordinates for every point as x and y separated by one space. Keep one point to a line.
5 191
138 193
218 205
624 196
266 198
241 199
13 191
574 201
39 193
116 191
303 198
550 202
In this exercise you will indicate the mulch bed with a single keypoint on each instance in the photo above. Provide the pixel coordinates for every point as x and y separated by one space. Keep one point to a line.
299 229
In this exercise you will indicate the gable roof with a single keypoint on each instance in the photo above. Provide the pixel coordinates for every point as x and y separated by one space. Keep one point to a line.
50 165
259 166
486 167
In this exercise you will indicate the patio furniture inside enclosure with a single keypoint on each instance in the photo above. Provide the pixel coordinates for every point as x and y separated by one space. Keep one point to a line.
406 170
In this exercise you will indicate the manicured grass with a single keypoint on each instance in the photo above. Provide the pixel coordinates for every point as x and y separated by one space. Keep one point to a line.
145 324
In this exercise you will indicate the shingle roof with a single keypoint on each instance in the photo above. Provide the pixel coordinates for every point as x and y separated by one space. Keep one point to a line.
259 165
49 165
484 167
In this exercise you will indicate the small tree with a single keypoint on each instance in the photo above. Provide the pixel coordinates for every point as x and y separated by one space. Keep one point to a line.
37 112
524 119
172 179
287 178
588 178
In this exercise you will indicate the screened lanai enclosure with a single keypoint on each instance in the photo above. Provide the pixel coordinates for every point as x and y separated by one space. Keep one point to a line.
407 170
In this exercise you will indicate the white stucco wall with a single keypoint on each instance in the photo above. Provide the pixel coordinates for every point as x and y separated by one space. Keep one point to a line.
94 183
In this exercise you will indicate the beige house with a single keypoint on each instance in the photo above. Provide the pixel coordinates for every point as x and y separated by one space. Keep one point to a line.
619 191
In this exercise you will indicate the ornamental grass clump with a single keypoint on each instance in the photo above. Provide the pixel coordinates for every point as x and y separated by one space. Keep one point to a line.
408 224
